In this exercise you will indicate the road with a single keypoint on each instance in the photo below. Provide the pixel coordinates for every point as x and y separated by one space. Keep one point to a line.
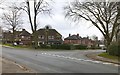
59 61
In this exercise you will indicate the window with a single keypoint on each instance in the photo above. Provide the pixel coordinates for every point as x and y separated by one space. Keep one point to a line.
50 37
22 37
41 37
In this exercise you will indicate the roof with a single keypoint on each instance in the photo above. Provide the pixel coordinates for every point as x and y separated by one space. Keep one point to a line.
24 33
73 37
20 33
49 31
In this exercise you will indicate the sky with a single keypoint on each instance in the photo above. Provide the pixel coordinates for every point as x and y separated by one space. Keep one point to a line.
58 21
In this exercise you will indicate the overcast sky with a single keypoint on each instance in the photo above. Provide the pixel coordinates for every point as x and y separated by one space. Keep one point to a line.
62 24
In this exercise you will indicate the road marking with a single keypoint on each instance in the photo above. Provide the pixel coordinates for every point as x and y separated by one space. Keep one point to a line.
117 65
49 54
88 60
41 53
96 61
73 58
106 63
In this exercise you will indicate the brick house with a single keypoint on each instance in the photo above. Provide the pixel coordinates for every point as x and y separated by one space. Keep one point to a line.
72 39
88 42
21 37
7 37
77 40
48 35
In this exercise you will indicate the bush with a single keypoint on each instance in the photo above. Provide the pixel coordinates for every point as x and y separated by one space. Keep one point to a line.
114 49
80 47
44 46
62 46
94 47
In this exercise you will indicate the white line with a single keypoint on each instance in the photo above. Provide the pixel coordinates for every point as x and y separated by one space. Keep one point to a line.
88 60
55 55
116 65
81 59
107 63
96 61
49 54
42 53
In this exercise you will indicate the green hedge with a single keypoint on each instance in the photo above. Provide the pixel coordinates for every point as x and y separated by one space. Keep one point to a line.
44 46
114 49
80 47
94 47
62 46
68 47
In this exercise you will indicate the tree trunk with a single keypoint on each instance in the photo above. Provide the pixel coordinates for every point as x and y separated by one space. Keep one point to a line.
13 37
108 42
35 39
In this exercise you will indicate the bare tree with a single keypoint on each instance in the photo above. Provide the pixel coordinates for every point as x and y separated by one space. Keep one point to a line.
1 1
12 19
103 15
117 32
33 9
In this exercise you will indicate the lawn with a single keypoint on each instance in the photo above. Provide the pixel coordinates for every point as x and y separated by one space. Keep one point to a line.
106 55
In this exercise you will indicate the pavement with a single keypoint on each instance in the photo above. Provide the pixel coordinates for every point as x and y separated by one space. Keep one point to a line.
9 66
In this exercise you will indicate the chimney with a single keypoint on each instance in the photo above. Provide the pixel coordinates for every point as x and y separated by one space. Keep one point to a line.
69 35
77 35
23 29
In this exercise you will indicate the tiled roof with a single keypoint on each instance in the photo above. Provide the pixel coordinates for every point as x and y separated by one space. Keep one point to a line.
49 32
24 33
73 37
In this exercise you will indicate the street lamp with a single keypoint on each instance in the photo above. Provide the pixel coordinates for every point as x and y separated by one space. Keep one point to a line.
46 30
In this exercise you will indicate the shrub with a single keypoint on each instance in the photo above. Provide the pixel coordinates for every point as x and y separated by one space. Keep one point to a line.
80 47
44 46
62 46
114 49
94 47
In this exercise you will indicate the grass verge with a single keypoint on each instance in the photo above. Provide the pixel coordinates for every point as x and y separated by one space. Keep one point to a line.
106 55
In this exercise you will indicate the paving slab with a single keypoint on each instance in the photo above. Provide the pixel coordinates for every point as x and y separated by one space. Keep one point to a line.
9 66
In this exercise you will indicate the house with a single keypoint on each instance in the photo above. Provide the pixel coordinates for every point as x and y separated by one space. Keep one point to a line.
6 37
88 42
48 35
78 40
73 39
21 37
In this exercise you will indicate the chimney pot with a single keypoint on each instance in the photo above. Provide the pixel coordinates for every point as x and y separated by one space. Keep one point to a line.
69 35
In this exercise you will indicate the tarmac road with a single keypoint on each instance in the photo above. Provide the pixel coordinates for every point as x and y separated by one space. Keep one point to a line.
59 61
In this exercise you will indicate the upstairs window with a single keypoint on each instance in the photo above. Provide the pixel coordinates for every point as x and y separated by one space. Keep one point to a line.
41 37
23 37
50 37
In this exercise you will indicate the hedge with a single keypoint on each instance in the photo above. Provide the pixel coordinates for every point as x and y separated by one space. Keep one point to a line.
62 46
44 46
65 46
80 47
114 49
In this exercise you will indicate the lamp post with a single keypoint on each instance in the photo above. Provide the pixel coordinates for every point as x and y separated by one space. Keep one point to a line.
46 35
